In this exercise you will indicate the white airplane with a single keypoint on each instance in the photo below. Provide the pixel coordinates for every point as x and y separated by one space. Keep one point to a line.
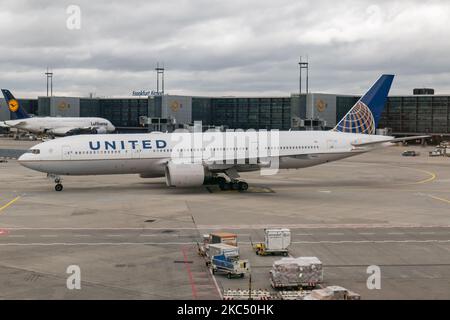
194 159
53 126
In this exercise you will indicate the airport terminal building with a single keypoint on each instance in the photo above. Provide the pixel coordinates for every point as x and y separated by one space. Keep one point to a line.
405 115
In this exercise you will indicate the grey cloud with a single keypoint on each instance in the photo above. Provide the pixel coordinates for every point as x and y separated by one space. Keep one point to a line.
224 47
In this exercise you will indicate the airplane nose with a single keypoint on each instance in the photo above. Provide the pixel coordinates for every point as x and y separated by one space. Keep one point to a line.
21 158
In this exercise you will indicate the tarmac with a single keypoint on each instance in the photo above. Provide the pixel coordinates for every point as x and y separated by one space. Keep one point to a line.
136 238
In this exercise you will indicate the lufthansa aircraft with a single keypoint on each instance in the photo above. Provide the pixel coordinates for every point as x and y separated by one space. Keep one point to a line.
53 126
192 159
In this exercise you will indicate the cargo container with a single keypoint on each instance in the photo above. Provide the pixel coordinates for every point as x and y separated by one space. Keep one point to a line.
218 249
296 272
276 241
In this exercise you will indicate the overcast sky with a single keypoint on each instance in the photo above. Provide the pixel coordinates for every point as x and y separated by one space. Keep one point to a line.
226 47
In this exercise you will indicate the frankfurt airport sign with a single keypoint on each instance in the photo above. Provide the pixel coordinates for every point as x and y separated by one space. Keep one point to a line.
145 93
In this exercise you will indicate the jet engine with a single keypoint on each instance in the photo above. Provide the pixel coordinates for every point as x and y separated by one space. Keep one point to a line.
185 174
100 130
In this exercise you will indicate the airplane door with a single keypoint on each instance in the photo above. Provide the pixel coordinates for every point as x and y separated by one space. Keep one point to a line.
66 152
253 152
331 144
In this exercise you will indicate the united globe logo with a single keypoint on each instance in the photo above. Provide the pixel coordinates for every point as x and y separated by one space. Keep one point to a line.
358 120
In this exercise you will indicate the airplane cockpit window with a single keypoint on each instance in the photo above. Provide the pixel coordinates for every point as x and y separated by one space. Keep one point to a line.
34 151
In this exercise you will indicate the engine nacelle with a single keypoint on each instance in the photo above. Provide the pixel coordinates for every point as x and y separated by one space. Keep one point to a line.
185 175
100 130
58 132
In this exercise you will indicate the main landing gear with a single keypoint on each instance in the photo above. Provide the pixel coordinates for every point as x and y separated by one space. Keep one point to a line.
57 179
234 184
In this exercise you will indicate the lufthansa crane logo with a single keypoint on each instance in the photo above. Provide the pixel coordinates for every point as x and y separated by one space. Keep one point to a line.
63 106
13 105
321 105
175 106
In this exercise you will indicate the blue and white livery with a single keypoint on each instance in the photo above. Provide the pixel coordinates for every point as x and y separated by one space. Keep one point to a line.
193 159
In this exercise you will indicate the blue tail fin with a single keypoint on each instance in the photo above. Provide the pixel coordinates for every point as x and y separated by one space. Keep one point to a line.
14 105
363 117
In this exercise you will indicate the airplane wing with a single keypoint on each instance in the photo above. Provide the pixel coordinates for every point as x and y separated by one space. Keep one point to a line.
392 140
12 124
76 130
61 131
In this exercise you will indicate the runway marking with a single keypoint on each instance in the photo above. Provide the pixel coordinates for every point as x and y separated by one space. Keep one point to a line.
366 233
160 235
49 235
303 234
371 241
336 234
216 284
440 199
396 233
94 243
250 227
82 235
431 178
191 277
114 235
16 236
9 203
193 243
427 232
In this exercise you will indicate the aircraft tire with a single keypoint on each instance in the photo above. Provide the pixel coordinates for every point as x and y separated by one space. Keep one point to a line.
225 187
58 187
243 186
221 180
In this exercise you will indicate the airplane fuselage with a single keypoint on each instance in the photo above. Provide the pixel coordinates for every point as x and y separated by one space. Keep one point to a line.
59 126
148 154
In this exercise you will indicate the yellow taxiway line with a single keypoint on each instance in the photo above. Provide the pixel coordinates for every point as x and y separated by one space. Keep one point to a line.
431 178
440 199
9 203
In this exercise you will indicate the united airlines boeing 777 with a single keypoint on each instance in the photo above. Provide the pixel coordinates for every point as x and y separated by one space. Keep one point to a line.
194 159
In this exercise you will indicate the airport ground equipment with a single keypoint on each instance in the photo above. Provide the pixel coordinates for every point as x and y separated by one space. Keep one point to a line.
239 294
231 265
292 273
443 149
215 238
276 241
223 237
217 249
293 294
332 293
410 153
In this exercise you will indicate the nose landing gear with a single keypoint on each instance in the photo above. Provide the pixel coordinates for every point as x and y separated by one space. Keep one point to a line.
57 179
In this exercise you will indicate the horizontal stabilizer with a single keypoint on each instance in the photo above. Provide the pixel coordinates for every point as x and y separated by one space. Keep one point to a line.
392 140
